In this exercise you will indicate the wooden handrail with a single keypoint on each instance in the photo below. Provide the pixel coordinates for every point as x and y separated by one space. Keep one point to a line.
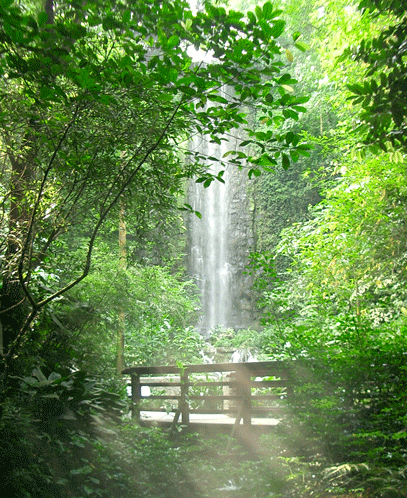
254 367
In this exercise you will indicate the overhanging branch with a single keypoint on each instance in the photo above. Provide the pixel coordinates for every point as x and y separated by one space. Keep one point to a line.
108 209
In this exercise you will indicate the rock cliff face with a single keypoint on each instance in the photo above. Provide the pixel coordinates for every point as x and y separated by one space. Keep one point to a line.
219 244
241 245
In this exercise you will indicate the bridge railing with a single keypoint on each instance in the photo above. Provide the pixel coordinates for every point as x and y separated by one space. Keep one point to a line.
242 390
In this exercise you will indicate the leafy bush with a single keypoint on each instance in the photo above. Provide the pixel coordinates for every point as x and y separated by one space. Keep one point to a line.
47 429
349 409
158 307
244 339
164 345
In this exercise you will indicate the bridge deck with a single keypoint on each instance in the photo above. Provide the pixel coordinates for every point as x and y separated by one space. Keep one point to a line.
202 418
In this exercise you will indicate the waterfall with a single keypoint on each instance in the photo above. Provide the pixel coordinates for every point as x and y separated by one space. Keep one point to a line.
219 243
210 241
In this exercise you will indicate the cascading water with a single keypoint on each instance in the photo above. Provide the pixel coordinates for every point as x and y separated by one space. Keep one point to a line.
220 242
210 241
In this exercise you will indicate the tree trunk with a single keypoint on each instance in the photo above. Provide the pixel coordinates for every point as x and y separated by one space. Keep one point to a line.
122 261
14 306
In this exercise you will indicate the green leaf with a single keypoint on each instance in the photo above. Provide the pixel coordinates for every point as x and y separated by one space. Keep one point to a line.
278 28
285 160
126 16
302 46
303 150
278 120
299 108
266 160
268 10
287 79
213 97
358 89
173 41
50 396
108 23
245 143
289 137
94 20
246 93
45 93
173 74
288 113
54 376
165 97
40 376
220 175
15 34
254 172
301 100
294 155
251 17
42 19
228 153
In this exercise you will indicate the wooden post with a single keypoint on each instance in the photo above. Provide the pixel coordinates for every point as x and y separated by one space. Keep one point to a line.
183 403
289 388
135 396
244 392
247 398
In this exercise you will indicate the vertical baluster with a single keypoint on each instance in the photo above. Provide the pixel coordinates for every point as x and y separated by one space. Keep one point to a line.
247 397
290 385
184 404
135 396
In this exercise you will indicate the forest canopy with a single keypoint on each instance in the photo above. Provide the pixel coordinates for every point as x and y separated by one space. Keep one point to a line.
100 101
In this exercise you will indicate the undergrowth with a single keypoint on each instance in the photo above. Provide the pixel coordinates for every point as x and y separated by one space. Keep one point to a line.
343 434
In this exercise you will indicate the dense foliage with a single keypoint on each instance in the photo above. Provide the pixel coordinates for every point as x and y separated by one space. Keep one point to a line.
104 96
99 101
332 287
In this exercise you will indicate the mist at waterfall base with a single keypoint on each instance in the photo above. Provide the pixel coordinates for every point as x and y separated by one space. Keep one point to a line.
219 243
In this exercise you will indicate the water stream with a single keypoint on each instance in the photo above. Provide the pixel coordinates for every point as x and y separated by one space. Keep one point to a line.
220 242
210 251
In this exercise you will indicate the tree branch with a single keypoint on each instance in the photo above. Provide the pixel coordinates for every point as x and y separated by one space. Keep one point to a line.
105 213
26 243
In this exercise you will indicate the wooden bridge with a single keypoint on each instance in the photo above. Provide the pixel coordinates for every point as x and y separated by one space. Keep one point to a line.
238 394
